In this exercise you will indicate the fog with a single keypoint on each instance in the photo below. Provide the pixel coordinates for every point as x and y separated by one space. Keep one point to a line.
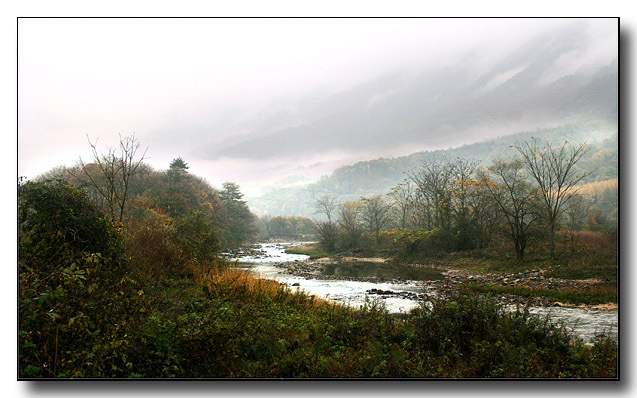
217 91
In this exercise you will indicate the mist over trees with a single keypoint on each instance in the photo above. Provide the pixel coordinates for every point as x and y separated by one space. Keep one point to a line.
447 205
380 176
127 189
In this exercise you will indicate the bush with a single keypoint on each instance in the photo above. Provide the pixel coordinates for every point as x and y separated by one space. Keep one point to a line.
152 244
470 335
75 301
424 243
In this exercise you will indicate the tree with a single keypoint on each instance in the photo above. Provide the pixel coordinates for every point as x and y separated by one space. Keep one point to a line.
110 175
433 182
349 220
325 204
73 287
240 222
375 214
483 212
462 172
177 169
328 234
515 199
402 203
231 192
576 212
553 171
264 226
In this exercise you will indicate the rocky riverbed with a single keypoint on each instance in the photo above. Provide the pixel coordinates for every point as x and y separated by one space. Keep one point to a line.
450 282
399 293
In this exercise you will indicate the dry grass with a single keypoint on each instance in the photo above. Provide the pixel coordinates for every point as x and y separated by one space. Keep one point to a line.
591 239
242 285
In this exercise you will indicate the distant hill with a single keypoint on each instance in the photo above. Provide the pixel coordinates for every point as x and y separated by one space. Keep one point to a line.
380 175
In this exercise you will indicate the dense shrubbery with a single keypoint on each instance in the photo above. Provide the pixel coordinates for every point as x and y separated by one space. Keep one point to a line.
472 336
525 203
77 300
86 310
148 298
285 227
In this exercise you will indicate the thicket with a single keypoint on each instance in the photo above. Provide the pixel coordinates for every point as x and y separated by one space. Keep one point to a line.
529 204
281 227
143 294
91 307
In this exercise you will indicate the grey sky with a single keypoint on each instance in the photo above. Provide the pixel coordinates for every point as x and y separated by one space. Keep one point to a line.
179 82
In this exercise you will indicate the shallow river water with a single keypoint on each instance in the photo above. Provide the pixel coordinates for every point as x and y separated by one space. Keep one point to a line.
584 322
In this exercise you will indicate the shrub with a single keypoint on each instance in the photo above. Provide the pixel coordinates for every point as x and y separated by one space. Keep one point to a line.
470 335
152 244
75 301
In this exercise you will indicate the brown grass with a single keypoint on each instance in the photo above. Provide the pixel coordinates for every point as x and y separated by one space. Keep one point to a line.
591 239
241 284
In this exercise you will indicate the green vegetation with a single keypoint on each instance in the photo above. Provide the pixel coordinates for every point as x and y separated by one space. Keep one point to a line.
129 285
279 227
589 296
311 251
378 176
525 204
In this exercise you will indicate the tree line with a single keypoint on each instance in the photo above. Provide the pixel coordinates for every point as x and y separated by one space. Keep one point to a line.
99 243
125 188
456 205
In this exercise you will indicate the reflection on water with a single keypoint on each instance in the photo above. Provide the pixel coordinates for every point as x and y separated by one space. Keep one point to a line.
363 269
273 253
586 323
348 292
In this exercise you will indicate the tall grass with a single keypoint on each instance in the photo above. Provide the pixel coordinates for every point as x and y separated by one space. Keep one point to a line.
241 285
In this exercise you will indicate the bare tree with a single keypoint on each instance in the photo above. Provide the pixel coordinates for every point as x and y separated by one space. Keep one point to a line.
402 203
326 204
553 171
110 174
462 171
433 184
375 214
515 199
576 212
483 211
327 232
349 220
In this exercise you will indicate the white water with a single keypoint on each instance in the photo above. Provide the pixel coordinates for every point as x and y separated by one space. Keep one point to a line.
351 293
586 323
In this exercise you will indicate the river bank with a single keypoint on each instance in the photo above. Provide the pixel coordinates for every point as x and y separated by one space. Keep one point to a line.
451 281
331 278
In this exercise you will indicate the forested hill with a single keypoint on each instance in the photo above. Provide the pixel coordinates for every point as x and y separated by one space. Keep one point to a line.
378 176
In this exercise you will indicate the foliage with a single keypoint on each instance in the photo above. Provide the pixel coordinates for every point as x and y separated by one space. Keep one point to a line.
423 243
381 175
327 232
286 227
152 244
240 222
76 300
93 320
311 251
147 297
472 336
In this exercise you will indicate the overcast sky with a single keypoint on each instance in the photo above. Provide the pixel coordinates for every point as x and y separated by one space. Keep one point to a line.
105 77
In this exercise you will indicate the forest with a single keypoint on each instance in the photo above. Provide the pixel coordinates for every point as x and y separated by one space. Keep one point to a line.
379 176
120 273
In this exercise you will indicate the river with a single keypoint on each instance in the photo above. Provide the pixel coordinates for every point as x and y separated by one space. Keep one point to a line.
584 322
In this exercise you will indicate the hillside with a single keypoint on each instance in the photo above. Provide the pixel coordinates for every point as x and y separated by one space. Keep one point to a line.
380 175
